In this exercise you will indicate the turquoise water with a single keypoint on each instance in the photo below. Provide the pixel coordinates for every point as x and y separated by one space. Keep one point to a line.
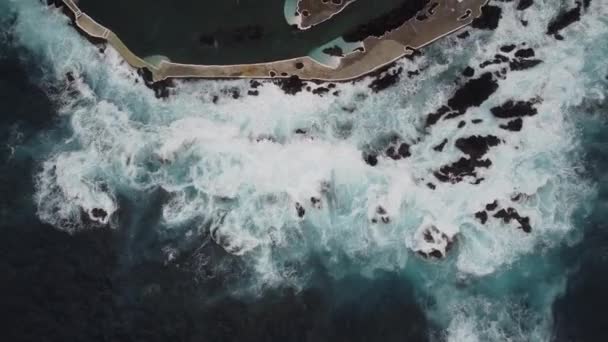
200 203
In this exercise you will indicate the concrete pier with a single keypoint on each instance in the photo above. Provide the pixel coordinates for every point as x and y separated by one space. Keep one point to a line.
438 19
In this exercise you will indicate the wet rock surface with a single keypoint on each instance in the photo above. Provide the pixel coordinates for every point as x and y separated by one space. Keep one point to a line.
291 85
563 20
475 147
471 94
524 4
386 79
510 214
513 125
482 216
162 89
515 109
392 147
490 16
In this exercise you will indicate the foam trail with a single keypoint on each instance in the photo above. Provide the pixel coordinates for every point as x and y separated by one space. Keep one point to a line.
243 170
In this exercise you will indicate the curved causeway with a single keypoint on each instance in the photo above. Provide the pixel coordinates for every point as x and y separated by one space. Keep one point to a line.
436 20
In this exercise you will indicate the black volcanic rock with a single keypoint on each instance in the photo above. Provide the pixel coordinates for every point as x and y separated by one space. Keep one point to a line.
468 72
490 16
510 214
385 80
473 93
513 125
482 216
464 167
99 213
525 53
162 89
432 118
492 206
439 148
507 48
564 20
511 109
300 210
335 51
524 4
476 146
291 85
370 159
404 150
523 64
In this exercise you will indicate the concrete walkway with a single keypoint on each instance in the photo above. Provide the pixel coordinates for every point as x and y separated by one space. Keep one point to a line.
442 17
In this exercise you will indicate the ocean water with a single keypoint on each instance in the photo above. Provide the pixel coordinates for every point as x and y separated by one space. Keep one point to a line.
218 215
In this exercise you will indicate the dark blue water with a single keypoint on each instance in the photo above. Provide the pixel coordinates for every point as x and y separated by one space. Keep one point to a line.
115 284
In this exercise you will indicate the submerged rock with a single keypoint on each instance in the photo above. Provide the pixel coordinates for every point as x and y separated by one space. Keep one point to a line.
432 242
334 51
99 213
523 64
316 202
300 210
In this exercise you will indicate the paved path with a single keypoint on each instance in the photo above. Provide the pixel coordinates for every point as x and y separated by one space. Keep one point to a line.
443 17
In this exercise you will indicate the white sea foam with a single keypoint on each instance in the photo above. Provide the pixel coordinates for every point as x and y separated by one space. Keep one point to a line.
238 166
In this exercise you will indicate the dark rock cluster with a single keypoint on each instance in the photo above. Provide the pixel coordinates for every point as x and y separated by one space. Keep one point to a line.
381 216
392 147
439 243
475 147
471 94
565 19
162 89
506 215
490 16
385 79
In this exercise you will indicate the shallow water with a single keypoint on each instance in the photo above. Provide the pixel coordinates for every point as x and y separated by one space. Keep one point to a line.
202 238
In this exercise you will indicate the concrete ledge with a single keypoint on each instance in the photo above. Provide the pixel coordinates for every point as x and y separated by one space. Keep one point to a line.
438 19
